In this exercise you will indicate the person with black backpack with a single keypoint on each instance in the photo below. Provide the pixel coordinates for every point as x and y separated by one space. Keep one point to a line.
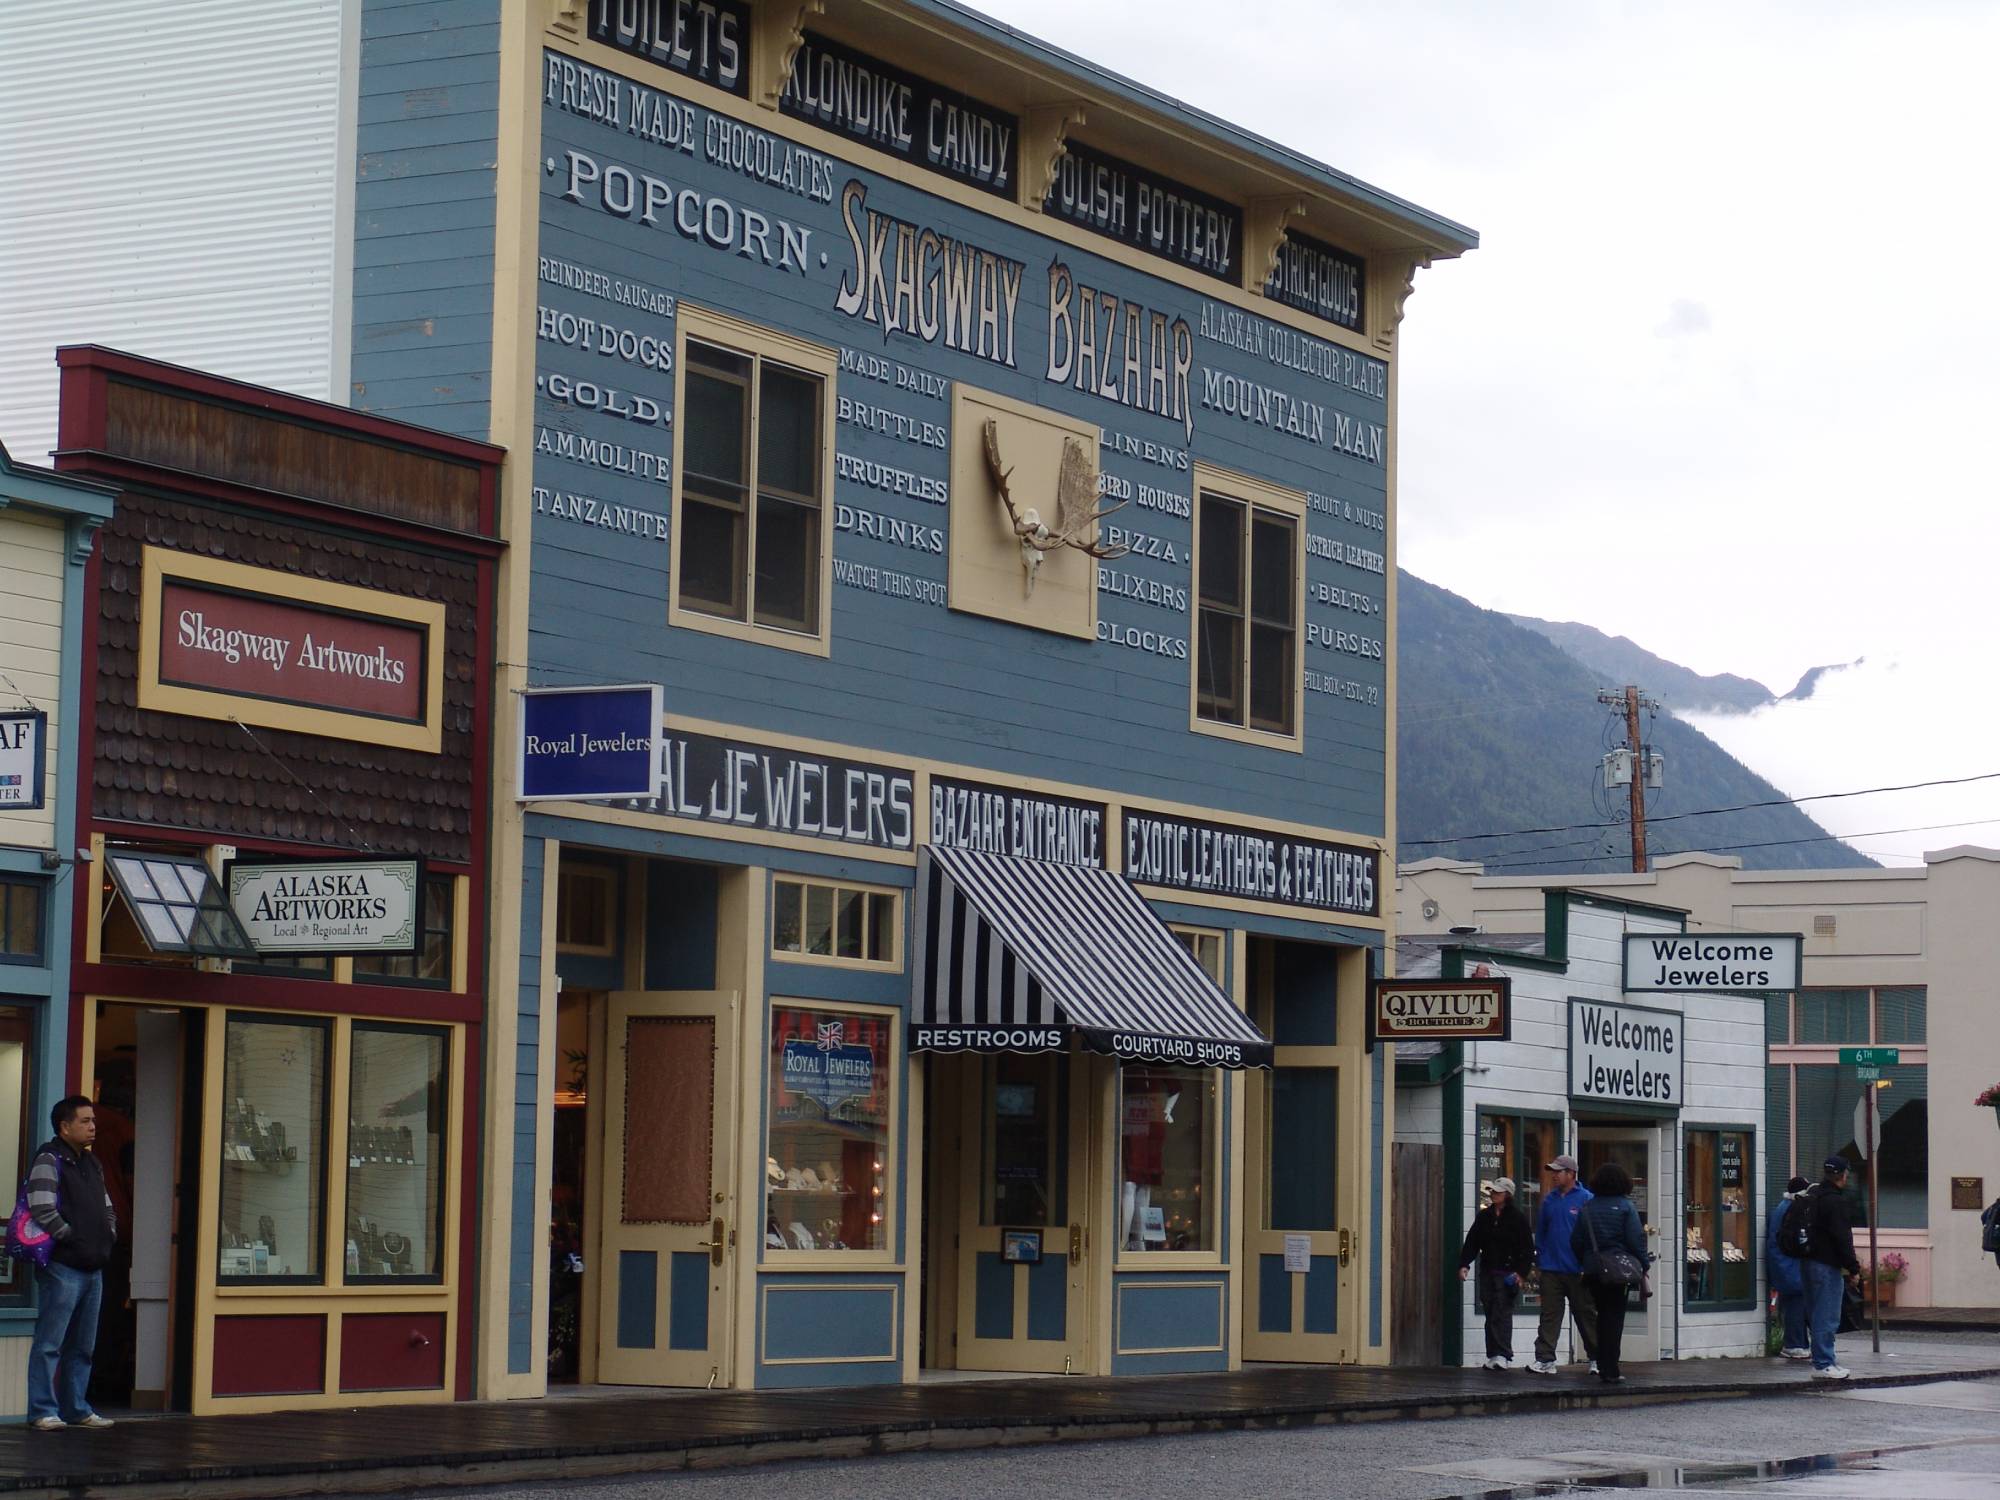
1828 1263
1783 1252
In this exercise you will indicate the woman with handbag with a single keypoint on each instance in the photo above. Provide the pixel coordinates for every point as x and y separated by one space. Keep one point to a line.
1610 1245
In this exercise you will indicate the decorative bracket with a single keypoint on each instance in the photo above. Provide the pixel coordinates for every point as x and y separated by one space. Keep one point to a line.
777 31
1265 221
82 538
1044 142
1386 337
567 18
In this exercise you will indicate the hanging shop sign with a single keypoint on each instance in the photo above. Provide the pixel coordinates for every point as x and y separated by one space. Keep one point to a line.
1146 211
1222 859
335 907
590 742
1626 1054
706 40
24 751
912 118
1667 963
1452 1010
1314 277
741 784
1007 820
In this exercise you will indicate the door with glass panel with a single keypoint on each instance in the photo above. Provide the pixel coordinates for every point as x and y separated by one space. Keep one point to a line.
669 1223
1636 1149
1023 1245
1302 1259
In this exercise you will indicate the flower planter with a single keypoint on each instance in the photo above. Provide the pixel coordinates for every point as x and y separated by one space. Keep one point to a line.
1885 1293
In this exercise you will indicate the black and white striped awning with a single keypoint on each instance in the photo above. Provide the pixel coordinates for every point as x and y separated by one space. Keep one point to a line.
1020 955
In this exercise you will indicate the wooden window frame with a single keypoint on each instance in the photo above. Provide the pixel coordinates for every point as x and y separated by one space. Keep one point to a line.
1253 495
1530 1295
1751 1209
1217 935
831 960
573 872
756 344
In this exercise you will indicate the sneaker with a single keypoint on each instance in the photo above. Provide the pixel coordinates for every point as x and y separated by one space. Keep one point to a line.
48 1424
1593 1367
1612 1379
94 1420
1494 1362
1795 1353
1832 1372
1543 1367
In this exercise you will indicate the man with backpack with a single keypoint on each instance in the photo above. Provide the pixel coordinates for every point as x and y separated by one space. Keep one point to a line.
66 1197
1828 1262
1787 1281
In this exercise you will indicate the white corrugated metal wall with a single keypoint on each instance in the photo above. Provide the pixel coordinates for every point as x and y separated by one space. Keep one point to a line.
177 174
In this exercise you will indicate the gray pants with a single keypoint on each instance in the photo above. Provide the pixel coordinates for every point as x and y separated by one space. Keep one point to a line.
1562 1289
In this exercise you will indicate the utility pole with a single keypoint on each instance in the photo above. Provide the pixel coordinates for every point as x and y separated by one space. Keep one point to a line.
1641 765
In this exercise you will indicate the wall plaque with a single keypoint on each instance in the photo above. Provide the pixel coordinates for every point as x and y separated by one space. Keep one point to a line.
1968 1192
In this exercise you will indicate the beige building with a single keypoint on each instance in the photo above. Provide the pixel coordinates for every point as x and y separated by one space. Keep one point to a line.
1895 958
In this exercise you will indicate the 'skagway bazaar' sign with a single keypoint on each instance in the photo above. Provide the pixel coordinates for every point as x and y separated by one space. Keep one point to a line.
1625 1054
746 785
1007 820
1219 859
1452 1010
340 906
1663 963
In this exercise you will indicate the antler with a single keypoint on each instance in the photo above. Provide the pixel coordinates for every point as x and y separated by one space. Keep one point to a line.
999 474
1074 484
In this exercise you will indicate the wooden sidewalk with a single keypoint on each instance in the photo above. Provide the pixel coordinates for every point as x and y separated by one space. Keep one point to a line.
578 1436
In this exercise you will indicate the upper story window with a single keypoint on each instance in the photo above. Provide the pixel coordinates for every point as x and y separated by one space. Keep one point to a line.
752 547
20 921
431 965
1250 584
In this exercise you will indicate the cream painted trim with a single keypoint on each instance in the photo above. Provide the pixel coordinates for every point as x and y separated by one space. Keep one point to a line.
848 153
587 1328
913 1187
889 1258
787 349
1239 1123
742 921
160 565
892 965
768 1290
1221 1316
545 1111
1252 494
696 828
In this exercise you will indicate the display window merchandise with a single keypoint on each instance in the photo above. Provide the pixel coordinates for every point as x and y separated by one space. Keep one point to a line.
828 1168
397 1097
1719 1220
1166 1153
274 1128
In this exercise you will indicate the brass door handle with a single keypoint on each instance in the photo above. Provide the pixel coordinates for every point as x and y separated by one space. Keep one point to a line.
1075 1242
1346 1246
717 1238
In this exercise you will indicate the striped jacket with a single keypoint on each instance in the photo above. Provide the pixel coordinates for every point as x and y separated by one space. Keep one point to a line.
63 1177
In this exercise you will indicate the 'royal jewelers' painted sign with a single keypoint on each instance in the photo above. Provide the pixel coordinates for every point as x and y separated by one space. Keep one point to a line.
1314 277
590 742
1626 1054
24 737
746 785
334 907
1221 859
707 40
1147 211
923 123
1006 820
1666 963
828 1068
1453 1010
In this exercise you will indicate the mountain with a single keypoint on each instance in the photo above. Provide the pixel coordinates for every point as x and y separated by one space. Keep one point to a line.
1499 729
1620 660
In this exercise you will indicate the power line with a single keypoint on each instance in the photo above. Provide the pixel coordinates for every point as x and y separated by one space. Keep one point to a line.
1704 812
1762 844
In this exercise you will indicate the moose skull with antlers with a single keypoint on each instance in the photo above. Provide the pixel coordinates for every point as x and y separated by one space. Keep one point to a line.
1076 517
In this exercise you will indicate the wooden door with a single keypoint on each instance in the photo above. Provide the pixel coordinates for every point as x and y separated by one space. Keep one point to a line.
669 1240
1416 1306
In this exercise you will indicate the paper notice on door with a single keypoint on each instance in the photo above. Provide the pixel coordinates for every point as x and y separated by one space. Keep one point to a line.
1298 1253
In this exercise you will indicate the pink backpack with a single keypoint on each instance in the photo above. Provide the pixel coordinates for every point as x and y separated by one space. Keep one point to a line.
27 1240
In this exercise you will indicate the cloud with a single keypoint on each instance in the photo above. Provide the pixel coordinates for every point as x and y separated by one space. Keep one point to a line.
1684 317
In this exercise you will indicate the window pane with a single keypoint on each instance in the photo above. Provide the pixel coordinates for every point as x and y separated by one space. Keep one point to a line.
787 917
787 564
1302 1150
1025 1141
1273 590
1499 1145
1833 1016
1272 678
1778 1019
395 1154
1166 1143
273 1149
828 1171
882 927
715 435
788 432
1777 1130
1702 1217
16 1090
20 922
1738 1217
1900 1013
850 908
1828 1095
819 919
711 558
1219 669
1221 553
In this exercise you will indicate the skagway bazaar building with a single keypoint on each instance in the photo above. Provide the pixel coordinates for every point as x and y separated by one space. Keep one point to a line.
974 473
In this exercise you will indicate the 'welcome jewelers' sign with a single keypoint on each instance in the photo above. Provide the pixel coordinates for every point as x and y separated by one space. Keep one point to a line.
1626 1054
1672 962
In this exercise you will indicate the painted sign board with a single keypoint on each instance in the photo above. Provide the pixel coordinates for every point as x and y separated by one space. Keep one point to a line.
1007 820
580 743
1718 964
809 794
1452 1010
1222 859
1626 1054
328 906
24 752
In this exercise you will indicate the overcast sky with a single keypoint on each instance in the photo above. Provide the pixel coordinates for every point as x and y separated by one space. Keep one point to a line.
1722 375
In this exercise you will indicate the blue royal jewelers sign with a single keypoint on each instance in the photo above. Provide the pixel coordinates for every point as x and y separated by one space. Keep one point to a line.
592 742
828 1069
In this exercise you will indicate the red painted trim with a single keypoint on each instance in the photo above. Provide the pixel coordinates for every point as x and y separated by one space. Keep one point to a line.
471 1210
268 992
103 362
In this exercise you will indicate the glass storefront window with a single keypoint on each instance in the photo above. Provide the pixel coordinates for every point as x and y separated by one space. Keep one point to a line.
274 1076
1166 1154
430 966
811 920
17 1134
1520 1147
1720 1221
827 1175
396 1103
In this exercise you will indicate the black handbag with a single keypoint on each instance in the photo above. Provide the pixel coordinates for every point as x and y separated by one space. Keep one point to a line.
1614 1264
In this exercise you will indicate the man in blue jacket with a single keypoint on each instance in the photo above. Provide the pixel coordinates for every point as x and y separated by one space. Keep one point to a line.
1561 1280
1787 1281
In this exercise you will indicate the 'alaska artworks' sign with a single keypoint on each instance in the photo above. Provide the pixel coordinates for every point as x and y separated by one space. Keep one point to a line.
1626 1054
335 907
1006 820
1220 859
745 785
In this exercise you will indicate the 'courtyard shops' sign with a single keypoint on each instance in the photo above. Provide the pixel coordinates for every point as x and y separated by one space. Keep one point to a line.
1664 963
1452 1010
921 122
590 742
342 907
1006 820
1219 859
1146 211
24 736
1626 1054
745 785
